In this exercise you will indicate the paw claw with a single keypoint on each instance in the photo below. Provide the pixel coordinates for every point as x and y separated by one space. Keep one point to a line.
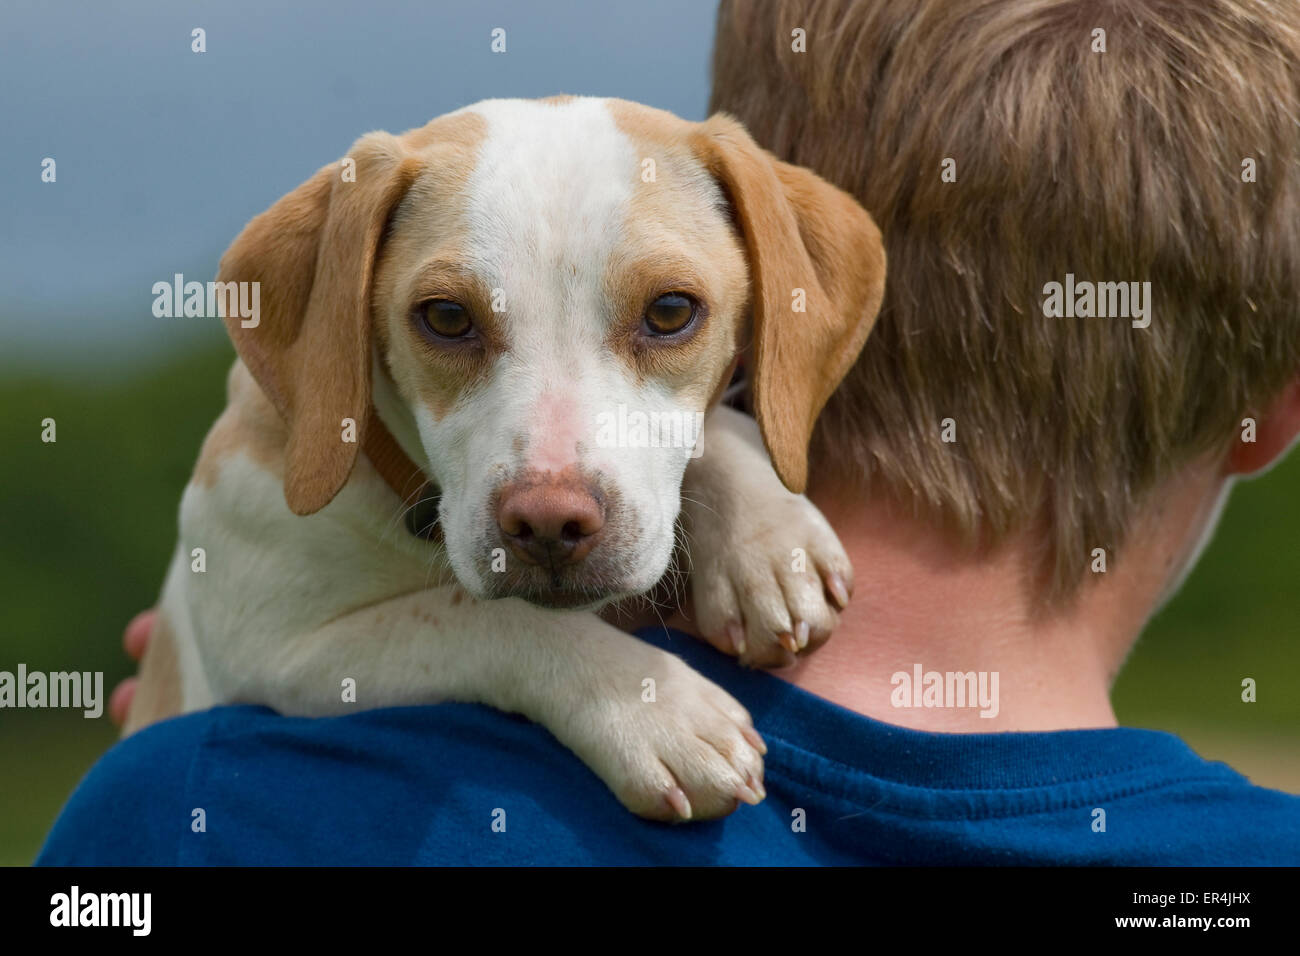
676 798
736 635
838 590
747 794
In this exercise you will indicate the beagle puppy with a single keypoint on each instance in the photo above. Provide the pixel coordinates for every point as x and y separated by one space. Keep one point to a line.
416 493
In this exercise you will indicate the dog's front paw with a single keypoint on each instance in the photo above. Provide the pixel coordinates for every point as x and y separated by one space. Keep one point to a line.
668 742
768 579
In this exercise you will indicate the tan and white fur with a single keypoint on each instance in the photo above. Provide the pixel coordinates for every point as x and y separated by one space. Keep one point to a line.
539 219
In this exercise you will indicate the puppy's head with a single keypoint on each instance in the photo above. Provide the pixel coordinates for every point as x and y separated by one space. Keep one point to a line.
556 290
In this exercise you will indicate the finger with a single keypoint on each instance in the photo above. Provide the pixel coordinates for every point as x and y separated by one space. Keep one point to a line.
120 703
136 638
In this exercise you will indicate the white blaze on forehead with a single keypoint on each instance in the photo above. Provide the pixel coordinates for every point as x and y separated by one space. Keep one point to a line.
548 198
546 205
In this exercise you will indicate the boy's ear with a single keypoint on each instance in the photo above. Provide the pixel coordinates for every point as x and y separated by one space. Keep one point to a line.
1275 432
817 266
313 254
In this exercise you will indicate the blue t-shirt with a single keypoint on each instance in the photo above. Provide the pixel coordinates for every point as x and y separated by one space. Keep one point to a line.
465 784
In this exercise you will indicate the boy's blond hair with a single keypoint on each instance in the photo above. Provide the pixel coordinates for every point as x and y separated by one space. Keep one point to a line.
1171 157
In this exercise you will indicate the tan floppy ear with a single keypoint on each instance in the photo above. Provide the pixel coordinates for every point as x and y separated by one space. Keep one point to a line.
312 255
801 233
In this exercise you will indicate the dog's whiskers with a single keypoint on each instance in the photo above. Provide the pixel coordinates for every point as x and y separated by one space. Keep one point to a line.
700 503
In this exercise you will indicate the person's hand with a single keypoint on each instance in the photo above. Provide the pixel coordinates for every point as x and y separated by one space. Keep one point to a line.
135 640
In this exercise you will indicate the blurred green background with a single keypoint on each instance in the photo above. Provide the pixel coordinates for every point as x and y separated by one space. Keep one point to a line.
89 524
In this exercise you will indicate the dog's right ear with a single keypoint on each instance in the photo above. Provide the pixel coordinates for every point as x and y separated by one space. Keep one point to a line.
312 255
801 234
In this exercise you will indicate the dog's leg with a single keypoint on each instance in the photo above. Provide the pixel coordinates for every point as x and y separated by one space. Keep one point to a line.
669 743
768 575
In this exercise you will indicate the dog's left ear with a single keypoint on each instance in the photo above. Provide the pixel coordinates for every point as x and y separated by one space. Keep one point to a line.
801 233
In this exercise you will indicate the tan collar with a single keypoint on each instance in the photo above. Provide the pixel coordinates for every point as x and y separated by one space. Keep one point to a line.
418 494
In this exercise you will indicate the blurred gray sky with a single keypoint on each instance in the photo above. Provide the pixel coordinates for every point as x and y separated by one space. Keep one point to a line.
163 154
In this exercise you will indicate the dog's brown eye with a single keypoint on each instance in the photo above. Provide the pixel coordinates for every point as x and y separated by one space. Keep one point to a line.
445 319
670 314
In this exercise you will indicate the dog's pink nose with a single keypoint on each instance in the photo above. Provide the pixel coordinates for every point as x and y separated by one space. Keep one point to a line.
550 522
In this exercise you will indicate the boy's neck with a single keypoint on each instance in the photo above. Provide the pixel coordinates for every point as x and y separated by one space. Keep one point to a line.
922 603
